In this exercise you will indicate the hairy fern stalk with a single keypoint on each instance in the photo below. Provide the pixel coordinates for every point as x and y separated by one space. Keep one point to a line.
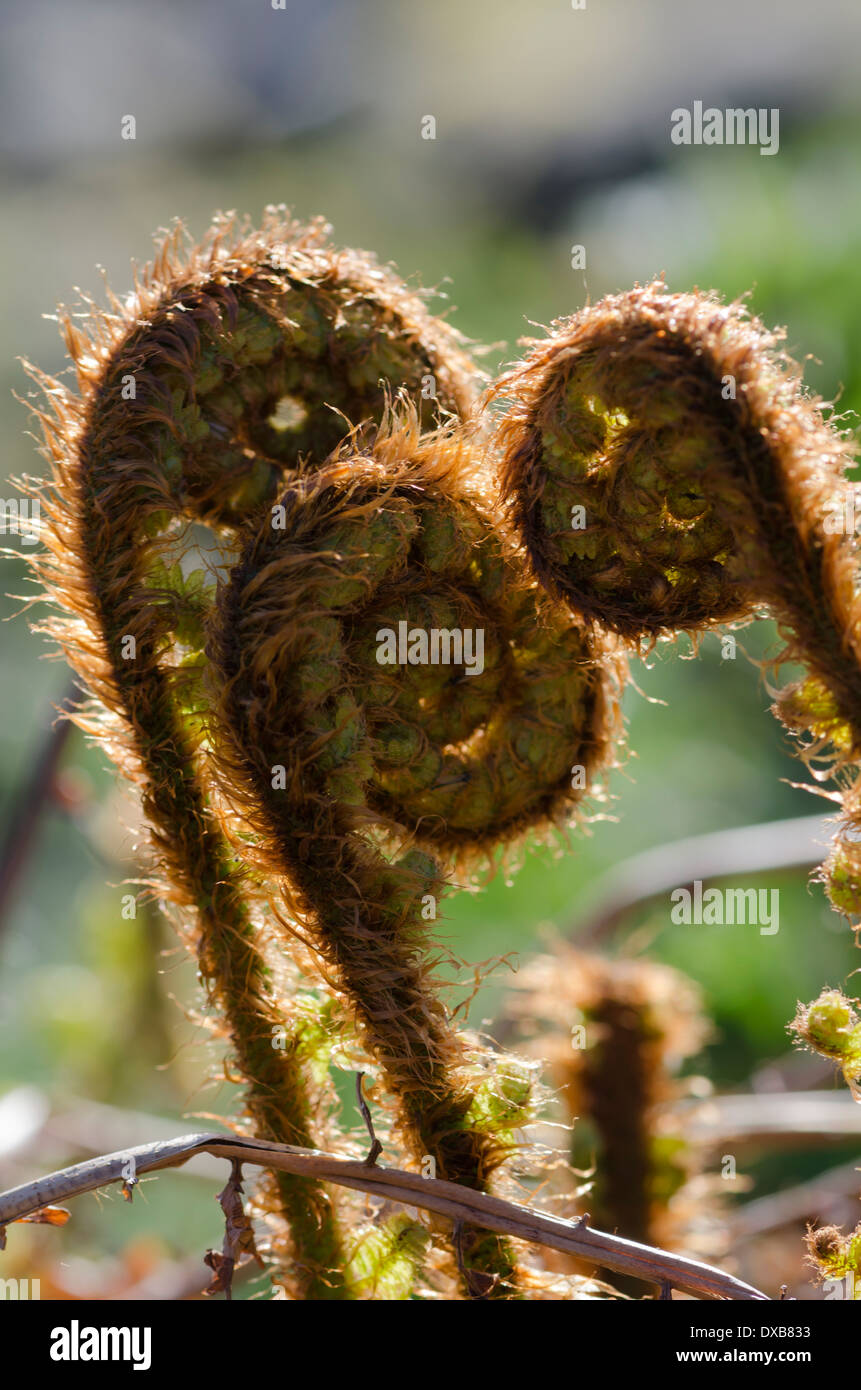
273 454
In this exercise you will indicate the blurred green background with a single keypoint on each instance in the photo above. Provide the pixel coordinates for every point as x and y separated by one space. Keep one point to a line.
552 130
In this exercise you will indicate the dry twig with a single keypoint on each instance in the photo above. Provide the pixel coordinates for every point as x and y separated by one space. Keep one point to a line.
457 1203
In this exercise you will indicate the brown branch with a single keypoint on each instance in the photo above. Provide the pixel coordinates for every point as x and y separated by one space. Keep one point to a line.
376 1147
395 1185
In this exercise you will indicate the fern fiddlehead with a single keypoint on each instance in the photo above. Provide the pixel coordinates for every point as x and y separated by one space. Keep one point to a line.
831 1026
698 477
172 423
176 422
334 748
668 473
615 1033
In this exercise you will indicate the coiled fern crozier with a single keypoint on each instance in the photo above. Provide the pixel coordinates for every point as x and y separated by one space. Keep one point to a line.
613 1035
712 490
274 455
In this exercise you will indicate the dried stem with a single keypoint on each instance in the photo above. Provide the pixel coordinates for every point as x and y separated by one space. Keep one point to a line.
395 1185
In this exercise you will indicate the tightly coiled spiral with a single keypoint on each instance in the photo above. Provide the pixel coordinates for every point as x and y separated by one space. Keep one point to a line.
178 388
668 473
208 680
432 756
307 799
442 761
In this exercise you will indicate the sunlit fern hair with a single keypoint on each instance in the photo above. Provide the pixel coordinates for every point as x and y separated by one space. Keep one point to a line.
836 1257
615 1034
669 472
831 1026
303 799
272 452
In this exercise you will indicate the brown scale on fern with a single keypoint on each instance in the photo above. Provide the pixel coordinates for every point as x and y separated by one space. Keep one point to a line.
279 762
668 473
615 1034
230 373
353 774
176 419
